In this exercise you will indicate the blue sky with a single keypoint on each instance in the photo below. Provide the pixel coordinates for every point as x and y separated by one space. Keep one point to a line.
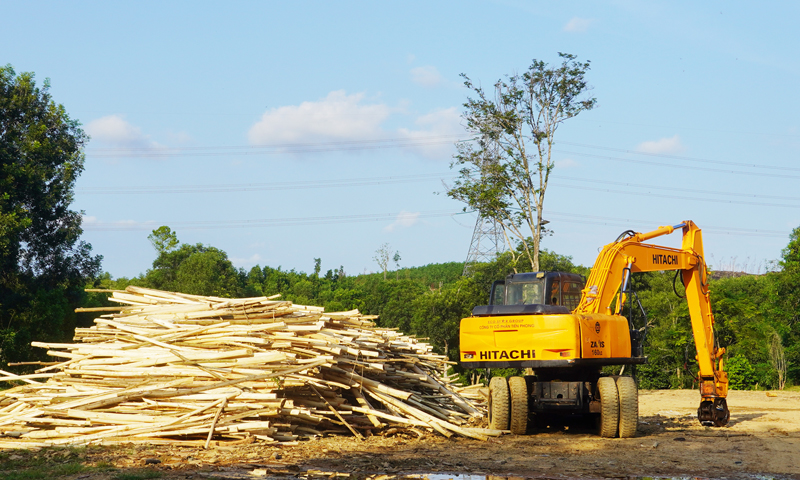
284 131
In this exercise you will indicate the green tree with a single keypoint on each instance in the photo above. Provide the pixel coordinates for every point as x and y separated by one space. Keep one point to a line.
437 315
164 240
787 302
43 263
741 374
194 269
505 172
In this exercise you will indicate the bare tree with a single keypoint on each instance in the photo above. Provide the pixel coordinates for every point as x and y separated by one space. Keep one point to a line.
382 257
778 359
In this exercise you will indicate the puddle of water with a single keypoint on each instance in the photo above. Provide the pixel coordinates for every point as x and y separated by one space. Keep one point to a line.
264 474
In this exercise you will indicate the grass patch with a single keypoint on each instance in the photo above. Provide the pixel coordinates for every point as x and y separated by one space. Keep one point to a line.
43 471
48 464
61 463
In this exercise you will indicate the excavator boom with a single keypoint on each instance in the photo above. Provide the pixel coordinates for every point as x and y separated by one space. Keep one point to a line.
611 273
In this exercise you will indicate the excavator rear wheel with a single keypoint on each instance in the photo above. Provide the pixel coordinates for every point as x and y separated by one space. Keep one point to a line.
519 405
498 403
628 406
609 407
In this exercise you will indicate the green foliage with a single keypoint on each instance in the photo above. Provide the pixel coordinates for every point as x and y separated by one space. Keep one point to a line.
43 263
741 374
755 321
504 173
195 269
786 301
46 464
164 240
438 313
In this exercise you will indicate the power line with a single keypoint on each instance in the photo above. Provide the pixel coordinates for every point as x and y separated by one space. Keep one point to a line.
249 187
694 167
350 182
268 222
273 149
676 189
375 217
688 159
372 144
626 223
397 179
676 197
683 127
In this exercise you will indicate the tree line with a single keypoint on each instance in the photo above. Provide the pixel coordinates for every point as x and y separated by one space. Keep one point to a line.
45 267
756 315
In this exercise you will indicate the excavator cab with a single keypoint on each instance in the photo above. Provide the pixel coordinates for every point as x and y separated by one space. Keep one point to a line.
538 288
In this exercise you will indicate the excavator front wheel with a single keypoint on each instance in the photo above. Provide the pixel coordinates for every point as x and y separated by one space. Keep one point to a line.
519 405
498 403
609 407
628 406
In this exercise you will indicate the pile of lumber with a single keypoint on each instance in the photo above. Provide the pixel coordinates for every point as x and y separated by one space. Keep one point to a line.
175 368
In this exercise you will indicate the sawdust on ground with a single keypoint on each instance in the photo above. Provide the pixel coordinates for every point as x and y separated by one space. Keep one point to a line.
762 438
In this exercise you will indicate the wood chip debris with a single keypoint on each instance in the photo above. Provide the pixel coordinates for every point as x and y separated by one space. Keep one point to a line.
173 368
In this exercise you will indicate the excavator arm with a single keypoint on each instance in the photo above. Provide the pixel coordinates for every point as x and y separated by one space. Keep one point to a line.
609 278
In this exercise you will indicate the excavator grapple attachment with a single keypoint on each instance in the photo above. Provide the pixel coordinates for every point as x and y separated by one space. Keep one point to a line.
714 413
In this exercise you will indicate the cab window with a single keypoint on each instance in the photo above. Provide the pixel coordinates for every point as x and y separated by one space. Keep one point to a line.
571 294
524 293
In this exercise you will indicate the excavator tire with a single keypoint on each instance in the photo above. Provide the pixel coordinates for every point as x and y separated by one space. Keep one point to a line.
519 405
498 403
628 407
609 407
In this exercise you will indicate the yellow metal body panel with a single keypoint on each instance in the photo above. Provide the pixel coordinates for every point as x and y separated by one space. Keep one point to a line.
605 336
519 338
525 338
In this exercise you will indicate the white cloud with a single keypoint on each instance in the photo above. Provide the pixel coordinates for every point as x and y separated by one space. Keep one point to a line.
439 123
566 163
93 223
340 116
180 137
114 130
403 220
336 117
670 145
578 25
246 262
427 76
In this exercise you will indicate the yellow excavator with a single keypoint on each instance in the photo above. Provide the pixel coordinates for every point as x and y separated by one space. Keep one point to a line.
566 330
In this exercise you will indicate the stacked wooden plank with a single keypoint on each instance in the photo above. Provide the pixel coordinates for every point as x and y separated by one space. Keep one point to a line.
176 368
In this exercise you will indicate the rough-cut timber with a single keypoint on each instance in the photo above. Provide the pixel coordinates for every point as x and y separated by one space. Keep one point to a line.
172 367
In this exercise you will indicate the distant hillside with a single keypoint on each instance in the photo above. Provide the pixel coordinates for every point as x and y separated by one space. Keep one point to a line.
720 274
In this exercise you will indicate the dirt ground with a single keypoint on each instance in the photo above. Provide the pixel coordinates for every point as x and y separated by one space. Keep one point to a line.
762 440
